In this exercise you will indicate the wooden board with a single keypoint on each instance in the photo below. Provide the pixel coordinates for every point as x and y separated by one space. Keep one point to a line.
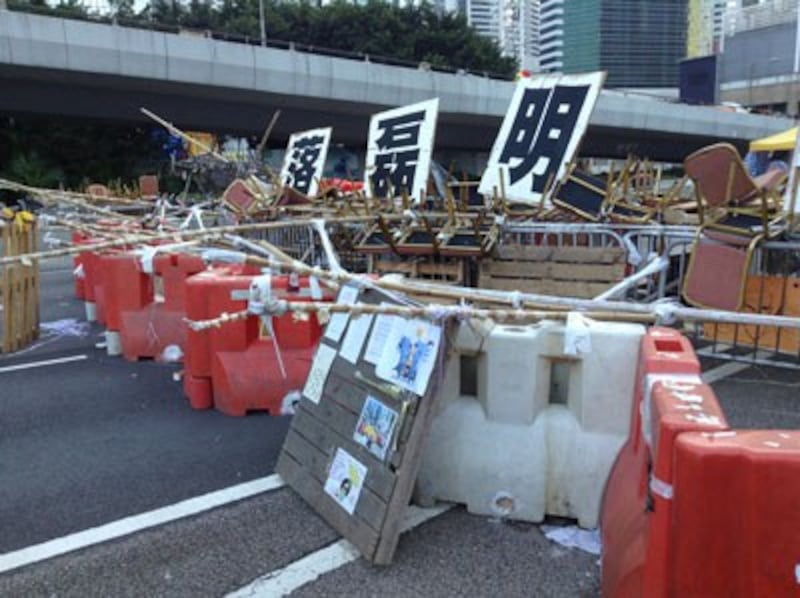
19 289
451 271
573 271
319 430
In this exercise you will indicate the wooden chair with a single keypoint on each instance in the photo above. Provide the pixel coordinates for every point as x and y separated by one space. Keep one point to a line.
148 186
734 213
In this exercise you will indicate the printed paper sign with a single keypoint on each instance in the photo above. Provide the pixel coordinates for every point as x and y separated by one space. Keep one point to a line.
315 383
540 134
410 354
336 325
345 480
355 337
377 339
399 149
375 427
305 158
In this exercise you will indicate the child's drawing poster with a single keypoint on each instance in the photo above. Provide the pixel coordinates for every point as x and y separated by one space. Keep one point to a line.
375 427
345 480
409 354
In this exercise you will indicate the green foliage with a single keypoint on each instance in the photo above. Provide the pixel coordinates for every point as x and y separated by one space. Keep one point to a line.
49 151
32 170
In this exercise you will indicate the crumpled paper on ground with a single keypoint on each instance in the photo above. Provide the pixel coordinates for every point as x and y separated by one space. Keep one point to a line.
573 536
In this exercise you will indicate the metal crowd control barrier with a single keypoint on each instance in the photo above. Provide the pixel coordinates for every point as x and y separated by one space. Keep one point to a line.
658 257
304 243
772 287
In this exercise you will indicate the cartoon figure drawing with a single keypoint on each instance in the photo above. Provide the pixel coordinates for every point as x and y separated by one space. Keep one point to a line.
375 427
412 353
344 489
345 480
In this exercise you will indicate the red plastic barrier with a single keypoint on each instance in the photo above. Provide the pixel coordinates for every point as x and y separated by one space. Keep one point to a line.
155 321
235 367
670 516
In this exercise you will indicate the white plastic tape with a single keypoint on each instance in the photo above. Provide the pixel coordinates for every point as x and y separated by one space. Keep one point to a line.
680 382
225 256
260 294
661 488
577 334
316 291
146 256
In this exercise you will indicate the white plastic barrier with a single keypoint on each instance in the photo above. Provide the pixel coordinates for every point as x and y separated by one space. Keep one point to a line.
528 429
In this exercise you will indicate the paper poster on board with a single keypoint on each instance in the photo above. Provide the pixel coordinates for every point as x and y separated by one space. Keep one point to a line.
399 150
540 135
320 367
304 161
409 355
345 480
375 427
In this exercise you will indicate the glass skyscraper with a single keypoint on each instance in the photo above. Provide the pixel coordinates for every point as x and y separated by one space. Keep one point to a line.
639 42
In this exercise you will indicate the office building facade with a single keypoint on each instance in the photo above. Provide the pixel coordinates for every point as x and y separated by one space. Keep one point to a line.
639 42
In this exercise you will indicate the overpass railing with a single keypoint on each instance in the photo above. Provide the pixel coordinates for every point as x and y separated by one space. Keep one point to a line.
239 38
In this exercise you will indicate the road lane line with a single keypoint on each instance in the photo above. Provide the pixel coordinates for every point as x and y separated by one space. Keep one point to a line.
723 371
282 582
136 523
38 364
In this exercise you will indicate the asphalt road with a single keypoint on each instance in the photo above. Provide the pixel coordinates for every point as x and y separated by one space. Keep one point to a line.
88 442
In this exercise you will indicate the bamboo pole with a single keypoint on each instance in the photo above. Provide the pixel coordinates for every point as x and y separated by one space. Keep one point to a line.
432 312
208 234
185 136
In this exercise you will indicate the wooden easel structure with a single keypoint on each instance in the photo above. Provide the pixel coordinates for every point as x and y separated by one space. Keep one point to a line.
19 286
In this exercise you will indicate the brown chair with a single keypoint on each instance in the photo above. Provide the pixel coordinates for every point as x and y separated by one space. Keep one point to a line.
98 190
148 186
728 198
734 212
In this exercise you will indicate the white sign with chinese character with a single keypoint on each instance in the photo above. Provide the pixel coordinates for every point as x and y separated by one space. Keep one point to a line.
540 135
399 150
304 161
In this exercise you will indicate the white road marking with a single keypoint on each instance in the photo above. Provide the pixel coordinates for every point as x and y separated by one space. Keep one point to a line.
723 371
312 566
38 364
137 523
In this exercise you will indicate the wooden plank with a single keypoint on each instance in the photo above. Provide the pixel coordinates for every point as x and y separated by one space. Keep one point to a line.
407 268
555 271
582 290
600 255
370 507
327 438
444 270
319 430
300 479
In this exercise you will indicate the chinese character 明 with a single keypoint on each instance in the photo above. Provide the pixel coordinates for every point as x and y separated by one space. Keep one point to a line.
541 133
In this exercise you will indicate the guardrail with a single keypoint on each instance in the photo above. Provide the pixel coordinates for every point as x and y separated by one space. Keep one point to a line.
239 38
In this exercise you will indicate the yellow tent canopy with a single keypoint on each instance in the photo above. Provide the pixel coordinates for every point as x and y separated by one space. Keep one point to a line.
776 143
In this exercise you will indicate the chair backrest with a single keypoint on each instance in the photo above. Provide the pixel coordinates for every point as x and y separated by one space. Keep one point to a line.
148 185
98 190
719 174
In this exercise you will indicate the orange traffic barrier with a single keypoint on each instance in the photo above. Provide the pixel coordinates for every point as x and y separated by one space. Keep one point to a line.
144 310
656 516
243 366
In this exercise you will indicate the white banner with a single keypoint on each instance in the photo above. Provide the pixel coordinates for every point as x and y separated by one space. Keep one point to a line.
304 161
399 150
540 134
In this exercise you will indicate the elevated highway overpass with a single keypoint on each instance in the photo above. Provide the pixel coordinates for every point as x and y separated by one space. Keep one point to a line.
67 67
